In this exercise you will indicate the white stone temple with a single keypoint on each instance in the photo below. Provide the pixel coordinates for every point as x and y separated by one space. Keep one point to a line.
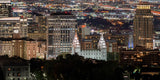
99 54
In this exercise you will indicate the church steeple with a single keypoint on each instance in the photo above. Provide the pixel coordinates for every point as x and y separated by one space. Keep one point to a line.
75 44
103 48
101 43
76 41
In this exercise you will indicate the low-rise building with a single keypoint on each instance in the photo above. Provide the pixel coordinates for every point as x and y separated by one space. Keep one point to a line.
35 49
24 48
15 69
140 55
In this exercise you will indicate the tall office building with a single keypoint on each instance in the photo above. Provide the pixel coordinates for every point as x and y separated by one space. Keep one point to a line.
11 26
60 33
5 8
143 26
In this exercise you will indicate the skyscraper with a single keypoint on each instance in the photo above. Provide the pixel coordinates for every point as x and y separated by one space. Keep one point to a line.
143 26
60 33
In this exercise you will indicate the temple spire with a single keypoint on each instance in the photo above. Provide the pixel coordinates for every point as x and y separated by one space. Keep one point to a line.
76 41
75 44
101 43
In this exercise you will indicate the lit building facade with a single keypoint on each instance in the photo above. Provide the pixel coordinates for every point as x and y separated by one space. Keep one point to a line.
42 50
37 36
140 56
143 26
35 49
156 43
19 4
6 47
5 8
18 48
60 33
31 49
156 40
94 38
13 25
120 41
37 29
100 53
26 49
87 44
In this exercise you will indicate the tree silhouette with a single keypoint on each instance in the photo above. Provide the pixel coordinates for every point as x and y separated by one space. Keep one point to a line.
75 67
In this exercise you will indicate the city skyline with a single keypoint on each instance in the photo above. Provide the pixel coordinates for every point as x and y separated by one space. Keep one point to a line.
79 40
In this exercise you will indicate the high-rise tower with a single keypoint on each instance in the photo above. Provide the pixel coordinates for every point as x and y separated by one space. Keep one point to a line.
143 26
60 34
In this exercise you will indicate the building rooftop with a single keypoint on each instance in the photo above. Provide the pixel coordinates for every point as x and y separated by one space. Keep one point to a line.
10 18
5 1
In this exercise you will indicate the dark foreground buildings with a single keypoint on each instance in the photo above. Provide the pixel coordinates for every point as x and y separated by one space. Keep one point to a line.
140 56
14 69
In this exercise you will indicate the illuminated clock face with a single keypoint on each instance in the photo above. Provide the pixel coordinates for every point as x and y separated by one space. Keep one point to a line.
16 31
